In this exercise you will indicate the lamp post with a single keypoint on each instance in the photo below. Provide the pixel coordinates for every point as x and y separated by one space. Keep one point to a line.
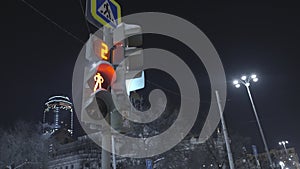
245 80
226 138
281 164
283 143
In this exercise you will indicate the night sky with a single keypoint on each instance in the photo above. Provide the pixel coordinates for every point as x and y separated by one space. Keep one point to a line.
262 38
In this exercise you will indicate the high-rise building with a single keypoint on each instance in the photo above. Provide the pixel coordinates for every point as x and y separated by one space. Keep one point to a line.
58 114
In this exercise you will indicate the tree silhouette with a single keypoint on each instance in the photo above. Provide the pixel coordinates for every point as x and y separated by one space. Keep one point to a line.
23 146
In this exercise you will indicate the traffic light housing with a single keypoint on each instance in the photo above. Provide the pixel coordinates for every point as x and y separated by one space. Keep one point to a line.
99 75
128 40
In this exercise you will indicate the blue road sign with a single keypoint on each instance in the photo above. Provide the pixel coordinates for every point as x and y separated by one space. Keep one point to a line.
149 164
254 149
103 13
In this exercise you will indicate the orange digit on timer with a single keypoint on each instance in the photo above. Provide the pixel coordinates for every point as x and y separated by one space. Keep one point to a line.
104 51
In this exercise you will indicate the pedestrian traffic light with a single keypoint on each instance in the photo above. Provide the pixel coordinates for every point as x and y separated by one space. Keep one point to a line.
99 75
96 92
127 39
97 49
103 78
101 49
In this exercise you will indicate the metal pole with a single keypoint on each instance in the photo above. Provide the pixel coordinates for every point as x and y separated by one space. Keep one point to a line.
106 138
106 142
284 146
230 159
257 162
285 149
114 152
260 128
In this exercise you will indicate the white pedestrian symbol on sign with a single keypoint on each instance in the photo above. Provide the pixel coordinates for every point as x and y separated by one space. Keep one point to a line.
106 11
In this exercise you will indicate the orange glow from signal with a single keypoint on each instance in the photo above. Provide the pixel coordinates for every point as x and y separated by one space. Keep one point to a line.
103 78
107 72
104 51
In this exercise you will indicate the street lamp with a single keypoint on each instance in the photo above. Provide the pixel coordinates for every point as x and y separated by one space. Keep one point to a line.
283 143
246 81
281 164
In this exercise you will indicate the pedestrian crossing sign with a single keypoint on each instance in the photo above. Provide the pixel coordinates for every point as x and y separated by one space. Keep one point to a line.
105 12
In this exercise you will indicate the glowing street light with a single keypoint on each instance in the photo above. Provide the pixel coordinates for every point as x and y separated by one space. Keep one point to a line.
246 81
253 76
281 164
283 143
244 77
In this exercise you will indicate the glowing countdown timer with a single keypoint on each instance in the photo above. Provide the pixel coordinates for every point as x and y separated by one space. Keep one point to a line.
101 50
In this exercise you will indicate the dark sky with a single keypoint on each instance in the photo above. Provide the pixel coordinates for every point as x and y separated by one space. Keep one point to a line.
250 37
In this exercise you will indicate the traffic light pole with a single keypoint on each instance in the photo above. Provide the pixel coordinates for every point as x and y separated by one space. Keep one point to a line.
114 118
106 138
105 155
113 36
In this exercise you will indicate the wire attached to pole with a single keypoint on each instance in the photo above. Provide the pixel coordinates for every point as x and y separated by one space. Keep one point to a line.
50 20
86 22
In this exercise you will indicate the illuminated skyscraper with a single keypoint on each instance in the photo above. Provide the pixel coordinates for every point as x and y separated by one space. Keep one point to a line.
58 114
